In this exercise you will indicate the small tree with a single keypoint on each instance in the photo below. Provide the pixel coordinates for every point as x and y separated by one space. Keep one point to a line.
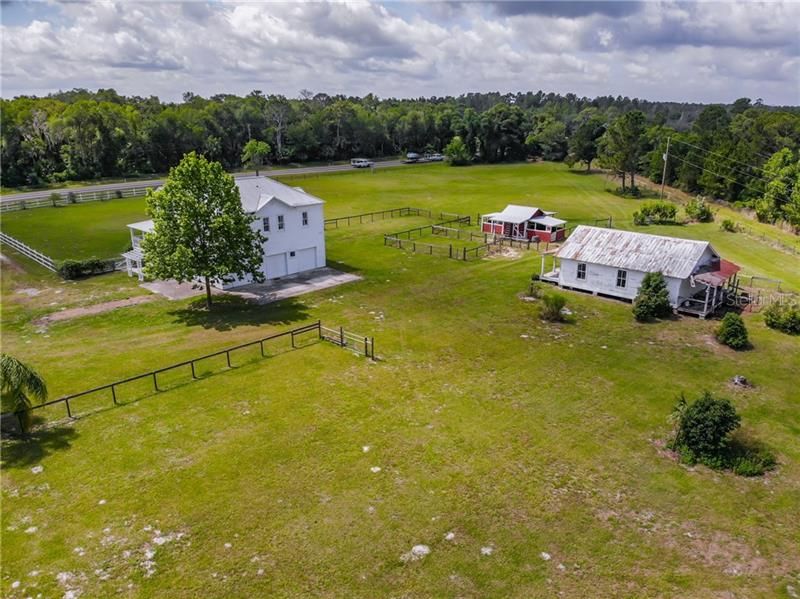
732 332
783 317
697 209
652 299
255 154
200 229
457 152
552 304
703 427
20 384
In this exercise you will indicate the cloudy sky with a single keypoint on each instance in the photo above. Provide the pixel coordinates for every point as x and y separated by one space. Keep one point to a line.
705 51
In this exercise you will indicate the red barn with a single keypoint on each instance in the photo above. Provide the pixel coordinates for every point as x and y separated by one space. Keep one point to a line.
524 222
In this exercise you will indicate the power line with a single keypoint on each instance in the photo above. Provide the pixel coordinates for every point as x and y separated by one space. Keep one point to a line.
702 168
726 158
747 164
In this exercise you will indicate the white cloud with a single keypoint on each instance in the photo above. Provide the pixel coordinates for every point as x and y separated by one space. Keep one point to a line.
664 50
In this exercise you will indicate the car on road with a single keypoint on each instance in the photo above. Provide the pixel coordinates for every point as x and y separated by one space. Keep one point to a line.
361 163
436 157
412 157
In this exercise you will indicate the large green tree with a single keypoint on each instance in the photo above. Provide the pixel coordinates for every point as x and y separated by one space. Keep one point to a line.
200 228
781 199
583 143
622 145
255 153
20 385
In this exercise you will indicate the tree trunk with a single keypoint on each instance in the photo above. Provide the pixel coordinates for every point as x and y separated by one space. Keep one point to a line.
588 166
633 183
622 174
208 293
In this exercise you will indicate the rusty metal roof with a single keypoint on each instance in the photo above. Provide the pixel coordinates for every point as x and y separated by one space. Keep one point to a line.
628 250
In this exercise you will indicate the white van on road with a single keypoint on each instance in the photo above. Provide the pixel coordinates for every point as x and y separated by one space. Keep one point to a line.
361 163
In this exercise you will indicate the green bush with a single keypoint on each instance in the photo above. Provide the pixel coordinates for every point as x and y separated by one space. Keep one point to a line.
697 209
704 426
783 317
732 332
552 304
728 225
75 269
703 434
652 299
656 212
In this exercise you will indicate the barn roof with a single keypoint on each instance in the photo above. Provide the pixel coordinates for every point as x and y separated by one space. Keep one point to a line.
671 256
514 213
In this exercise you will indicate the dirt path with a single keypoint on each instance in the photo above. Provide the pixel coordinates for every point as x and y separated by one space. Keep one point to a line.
71 313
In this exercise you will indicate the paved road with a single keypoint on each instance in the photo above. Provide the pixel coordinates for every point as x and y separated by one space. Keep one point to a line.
306 170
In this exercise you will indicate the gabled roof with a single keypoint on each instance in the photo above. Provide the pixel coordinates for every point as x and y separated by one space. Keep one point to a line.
628 250
142 225
514 213
256 192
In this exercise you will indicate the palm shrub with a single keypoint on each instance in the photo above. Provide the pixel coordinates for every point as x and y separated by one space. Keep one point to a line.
552 304
652 299
732 332
20 385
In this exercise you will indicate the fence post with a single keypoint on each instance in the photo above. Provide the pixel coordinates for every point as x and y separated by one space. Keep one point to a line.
341 336
69 411
292 336
372 347
155 382
465 254
319 328
194 376
113 395
228 357
451 250
261 345
366 347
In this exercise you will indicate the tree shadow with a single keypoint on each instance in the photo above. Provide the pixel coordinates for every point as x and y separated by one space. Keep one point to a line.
23 451
231 311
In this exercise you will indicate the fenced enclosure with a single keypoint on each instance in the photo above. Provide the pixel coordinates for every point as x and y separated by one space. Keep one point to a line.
371 217
64 197
27 251
162 379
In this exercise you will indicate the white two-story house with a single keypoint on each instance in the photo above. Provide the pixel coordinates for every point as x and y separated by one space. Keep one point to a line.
291 219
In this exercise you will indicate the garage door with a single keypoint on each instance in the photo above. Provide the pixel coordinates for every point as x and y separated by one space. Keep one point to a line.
306 259
276 266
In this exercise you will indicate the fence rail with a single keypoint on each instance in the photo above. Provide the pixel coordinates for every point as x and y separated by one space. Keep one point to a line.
342 338
29 252
66 197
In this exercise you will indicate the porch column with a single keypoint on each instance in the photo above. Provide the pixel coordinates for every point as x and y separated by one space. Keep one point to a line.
541 272
129 266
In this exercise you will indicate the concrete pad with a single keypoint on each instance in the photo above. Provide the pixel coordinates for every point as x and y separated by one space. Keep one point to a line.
260 293
294 285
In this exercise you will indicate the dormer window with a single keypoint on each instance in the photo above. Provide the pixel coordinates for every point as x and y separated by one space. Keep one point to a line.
281 226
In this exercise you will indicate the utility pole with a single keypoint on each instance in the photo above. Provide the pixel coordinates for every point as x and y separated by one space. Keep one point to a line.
664 173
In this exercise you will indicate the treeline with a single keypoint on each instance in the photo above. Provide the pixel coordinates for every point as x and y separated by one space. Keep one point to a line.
80 135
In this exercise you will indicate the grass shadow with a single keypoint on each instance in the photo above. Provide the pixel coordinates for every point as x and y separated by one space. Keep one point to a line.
342 267
20 452
231 311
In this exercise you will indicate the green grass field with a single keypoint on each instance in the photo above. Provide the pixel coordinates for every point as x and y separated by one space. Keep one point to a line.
525 437
98 228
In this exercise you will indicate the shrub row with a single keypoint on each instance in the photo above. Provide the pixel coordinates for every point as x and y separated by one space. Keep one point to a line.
656 212
75 269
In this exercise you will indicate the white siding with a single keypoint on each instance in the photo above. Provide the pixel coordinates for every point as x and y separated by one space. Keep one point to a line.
603 279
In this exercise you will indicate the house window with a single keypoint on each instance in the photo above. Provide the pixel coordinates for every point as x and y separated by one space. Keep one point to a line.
622 278
581 271
291 254
265 223
305 219
280 222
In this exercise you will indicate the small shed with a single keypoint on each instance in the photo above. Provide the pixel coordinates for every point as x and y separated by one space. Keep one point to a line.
524 223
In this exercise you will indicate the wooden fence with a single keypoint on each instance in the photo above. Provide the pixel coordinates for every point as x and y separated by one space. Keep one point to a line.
371 217
65 198
25 250
364 345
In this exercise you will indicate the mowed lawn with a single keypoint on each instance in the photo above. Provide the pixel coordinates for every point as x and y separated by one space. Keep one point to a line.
537 445
98 228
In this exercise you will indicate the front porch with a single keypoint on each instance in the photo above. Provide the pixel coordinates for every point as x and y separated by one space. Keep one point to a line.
720 282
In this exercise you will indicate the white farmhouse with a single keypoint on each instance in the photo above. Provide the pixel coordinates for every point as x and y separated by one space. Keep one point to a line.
613 263
291 219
